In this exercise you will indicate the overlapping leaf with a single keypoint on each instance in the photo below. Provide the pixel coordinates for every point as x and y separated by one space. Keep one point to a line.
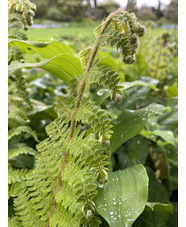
64 66
131 122
45 49
124 197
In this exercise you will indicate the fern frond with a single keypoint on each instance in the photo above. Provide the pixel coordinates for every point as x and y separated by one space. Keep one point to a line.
21 91
21 129
91 153
18 17
120 41
12 153
24 208
41 182
84 56
106 77
15 33
15 53
13 222
71 163
88 113
86 165
63 218
26 10
16 115
118 25
123 34
16 175
97 30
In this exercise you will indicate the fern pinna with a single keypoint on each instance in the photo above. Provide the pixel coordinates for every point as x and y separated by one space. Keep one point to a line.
74 160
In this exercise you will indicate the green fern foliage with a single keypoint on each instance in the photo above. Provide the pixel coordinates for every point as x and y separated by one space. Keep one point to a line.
17 131
90 114
86 167
15 53
163 57
21 11
20 87
123 32
12 153
20 116
107 78
19 152
84 56
12 222
73 161
16 175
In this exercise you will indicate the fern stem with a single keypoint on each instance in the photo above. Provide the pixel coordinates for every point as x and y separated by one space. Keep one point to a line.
104 27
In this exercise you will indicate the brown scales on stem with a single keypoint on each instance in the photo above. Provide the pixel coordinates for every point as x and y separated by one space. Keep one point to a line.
105 25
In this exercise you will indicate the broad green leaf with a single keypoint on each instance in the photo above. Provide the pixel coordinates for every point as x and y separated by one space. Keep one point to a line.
64 66
134 152
167 135
128 85
153 218
157 192
172 92
124 196
38 107
160 206
131 122
45 49
169 120
173 220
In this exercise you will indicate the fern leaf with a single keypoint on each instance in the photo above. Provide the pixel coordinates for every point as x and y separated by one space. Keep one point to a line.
14 54
16 175
120 41
18 17
91 153
12 153
13 222
21 87
15 33
84 56
107 78
24 209
70 165
61 218
88 113
21 129
86 165
18 116
97 30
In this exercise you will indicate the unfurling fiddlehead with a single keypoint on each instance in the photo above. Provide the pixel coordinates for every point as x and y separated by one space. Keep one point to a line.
22 6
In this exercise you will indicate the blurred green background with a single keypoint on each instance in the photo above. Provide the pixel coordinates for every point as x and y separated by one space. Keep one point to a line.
76 19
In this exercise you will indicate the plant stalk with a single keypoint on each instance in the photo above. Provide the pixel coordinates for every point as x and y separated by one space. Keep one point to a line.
104 27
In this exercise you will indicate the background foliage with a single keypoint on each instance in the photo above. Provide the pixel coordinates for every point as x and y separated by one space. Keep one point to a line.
143 133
